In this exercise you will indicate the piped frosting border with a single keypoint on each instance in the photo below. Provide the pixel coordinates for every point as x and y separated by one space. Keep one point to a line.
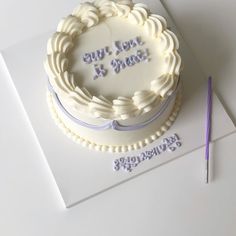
112 148
88 15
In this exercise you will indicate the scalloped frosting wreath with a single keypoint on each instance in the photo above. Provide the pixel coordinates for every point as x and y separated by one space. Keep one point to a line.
88 15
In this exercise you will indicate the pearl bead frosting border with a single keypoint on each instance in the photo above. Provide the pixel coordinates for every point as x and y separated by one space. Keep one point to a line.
112 148
88 15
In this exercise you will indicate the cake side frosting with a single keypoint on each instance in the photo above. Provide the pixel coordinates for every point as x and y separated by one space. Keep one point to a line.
88 15
129 142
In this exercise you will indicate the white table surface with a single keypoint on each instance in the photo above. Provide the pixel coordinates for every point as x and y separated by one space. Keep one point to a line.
171 200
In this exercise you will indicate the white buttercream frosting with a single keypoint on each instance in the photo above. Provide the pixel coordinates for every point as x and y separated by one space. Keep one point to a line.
88 15
128 145
109 8
70 26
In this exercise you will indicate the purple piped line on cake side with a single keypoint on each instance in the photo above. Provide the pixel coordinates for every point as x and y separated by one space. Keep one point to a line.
145 123
77 121
114 124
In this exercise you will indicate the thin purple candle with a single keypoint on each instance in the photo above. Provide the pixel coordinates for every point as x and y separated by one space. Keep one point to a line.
208 125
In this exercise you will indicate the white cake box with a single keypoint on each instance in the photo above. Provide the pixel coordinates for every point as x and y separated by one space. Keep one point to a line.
81 173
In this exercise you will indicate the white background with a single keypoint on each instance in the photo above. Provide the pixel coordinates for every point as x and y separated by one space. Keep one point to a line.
171 200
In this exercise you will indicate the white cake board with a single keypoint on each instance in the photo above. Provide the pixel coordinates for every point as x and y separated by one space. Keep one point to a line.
81 173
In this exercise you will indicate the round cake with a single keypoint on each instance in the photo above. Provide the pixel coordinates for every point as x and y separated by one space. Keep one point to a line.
113 75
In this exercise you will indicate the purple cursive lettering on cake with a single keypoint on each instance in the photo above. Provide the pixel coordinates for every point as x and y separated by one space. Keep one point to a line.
119 64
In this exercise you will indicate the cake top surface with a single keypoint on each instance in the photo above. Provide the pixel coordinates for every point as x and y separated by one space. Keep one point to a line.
113 60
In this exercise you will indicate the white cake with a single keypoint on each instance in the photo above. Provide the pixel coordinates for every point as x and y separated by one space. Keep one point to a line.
113 75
